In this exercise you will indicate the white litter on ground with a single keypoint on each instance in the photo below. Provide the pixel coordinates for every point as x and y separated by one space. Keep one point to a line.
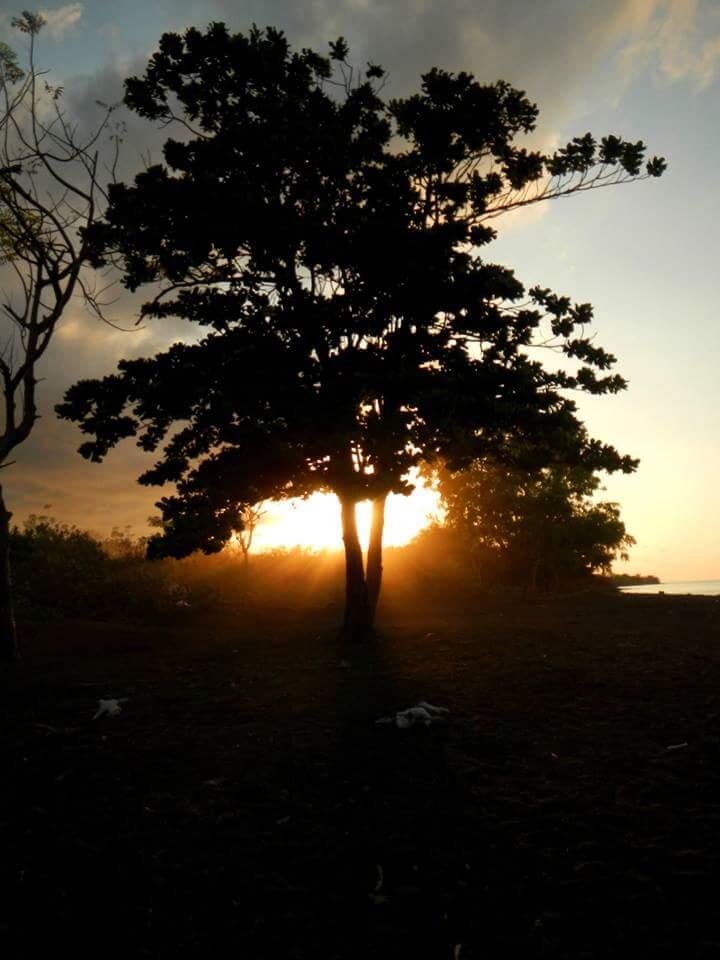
111 708
424 715
377 896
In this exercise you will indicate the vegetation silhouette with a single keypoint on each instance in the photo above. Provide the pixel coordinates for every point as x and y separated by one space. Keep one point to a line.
50 192
540 528
326 241
634 579
61 571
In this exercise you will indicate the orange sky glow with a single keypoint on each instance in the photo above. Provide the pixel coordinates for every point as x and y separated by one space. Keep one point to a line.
315 523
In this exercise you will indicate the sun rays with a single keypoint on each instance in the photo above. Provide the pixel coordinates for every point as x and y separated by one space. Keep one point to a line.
315 523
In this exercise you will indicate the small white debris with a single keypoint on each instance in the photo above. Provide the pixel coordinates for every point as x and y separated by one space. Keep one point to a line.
110 707
431 709
424 714
678 746
377 897
46 728
412 717
282 821
344 664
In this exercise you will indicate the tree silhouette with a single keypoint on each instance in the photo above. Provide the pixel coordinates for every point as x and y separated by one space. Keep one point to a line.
328 242
533 525
49 192
250 520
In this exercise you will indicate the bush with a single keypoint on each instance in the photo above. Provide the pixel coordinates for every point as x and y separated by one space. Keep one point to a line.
61 571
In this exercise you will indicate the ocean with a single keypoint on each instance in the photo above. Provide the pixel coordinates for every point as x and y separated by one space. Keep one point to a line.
698 588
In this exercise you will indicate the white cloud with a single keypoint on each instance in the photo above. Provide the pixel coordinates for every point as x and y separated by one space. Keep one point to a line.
61 19
681 38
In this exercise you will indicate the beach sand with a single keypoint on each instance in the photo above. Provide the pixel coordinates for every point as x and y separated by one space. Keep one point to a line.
245 803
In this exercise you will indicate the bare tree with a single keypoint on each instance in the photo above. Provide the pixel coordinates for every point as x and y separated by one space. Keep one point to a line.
251 517
50 193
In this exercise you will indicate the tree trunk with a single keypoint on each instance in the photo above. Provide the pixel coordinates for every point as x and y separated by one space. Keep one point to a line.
358 622
8 635
374 557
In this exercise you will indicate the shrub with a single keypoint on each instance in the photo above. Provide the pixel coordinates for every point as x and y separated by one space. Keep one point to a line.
59 570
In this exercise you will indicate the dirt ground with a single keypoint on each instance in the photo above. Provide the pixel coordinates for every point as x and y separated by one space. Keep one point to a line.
246 804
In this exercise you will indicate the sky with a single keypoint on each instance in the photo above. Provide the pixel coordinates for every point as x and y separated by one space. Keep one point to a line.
645 254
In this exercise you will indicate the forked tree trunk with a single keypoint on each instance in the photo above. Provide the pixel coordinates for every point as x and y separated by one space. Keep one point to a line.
374 556
358 621
8 634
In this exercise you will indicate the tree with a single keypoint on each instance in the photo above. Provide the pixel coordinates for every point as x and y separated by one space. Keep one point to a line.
328 243
249 521
49 193
535 526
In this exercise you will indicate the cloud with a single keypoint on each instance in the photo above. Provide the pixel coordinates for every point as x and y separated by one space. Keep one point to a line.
61 19
48 476
679 38
556 50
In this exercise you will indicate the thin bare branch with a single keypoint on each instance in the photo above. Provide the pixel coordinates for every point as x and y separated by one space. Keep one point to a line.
49 195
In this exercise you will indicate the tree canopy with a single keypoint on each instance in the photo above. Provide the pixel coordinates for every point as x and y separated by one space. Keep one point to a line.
328 243
536 527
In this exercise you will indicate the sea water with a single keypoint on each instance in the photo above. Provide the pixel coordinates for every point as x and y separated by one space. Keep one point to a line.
698 588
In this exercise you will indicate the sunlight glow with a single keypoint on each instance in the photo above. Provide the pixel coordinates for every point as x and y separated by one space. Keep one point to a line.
315 523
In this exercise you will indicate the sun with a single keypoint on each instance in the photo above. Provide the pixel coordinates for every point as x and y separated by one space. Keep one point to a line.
315 523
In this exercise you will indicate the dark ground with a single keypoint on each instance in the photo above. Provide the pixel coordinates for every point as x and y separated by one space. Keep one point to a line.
240 804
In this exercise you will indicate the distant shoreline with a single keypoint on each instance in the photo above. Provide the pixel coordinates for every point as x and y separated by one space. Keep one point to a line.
633 579
693 588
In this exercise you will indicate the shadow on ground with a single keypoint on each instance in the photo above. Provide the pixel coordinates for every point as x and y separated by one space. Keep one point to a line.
245 799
